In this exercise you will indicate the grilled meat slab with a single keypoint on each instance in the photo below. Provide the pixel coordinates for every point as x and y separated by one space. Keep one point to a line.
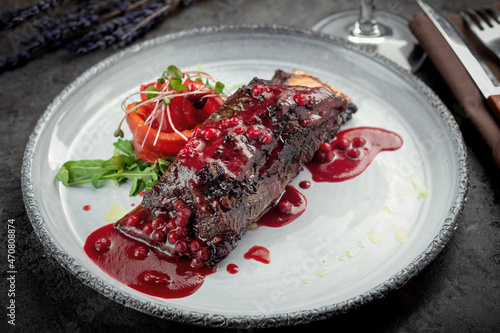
235 167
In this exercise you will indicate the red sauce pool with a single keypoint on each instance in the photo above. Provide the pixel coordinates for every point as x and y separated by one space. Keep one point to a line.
232 269
87 207
350 153
149 271
290 206
143 268
258 253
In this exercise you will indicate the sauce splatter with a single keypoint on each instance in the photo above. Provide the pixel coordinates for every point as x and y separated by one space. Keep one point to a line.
305 184
350 153
143 268
291 205
87 208
232 269
258 253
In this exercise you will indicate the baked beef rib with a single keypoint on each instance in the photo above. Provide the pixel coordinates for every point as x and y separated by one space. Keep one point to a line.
235 167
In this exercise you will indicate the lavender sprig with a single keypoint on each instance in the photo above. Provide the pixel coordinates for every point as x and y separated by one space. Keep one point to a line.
79 26
13 18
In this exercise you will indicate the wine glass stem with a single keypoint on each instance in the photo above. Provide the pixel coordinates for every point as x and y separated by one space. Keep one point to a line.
366 25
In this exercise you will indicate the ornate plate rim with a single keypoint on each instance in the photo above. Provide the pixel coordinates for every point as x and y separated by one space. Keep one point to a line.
246 321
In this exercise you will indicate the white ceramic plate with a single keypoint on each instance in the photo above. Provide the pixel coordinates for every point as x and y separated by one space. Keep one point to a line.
357 239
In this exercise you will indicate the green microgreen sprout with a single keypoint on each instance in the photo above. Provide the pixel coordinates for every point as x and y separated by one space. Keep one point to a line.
219 87
177 85
118 133
151 88
173 85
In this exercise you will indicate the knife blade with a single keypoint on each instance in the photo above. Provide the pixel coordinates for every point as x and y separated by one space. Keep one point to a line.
489 91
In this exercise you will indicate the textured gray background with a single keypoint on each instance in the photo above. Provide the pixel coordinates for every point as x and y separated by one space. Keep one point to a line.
457 292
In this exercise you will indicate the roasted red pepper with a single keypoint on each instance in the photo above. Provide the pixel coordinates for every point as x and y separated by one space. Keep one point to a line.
159 139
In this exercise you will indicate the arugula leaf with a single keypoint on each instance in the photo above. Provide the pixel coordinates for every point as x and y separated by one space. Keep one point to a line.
77 172
125 146
119 168
141 180
96 176
118 163
163 163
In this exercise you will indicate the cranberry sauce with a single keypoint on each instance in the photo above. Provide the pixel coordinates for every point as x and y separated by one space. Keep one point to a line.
232 269
305 184
232 168
249 135
350 152
290 206
169 234
258 253
143 268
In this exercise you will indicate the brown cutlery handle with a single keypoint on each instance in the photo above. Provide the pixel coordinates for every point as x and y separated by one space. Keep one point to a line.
494 102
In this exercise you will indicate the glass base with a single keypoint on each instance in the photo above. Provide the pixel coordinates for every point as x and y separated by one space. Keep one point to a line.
396 43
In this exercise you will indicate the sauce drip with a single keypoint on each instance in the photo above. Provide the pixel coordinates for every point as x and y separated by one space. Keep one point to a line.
143 268
350 153
232 269
290 206
258 253
305 184
87 208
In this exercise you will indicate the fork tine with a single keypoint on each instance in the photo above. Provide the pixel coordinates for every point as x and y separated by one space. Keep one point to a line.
485 15
494 15
473 24
482 18
485 24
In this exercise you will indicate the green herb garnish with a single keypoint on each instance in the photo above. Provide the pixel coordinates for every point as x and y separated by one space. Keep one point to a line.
219 87
151 88
177 85
172 81
173 72
122 166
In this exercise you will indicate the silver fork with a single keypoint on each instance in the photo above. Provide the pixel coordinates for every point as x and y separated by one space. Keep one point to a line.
485 23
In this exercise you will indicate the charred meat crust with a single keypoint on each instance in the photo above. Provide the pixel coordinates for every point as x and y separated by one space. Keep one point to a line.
235 167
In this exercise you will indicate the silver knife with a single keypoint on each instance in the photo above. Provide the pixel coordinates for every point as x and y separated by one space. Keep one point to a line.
490 92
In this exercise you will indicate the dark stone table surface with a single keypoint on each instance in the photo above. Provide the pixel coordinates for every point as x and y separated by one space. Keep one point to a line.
457 292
